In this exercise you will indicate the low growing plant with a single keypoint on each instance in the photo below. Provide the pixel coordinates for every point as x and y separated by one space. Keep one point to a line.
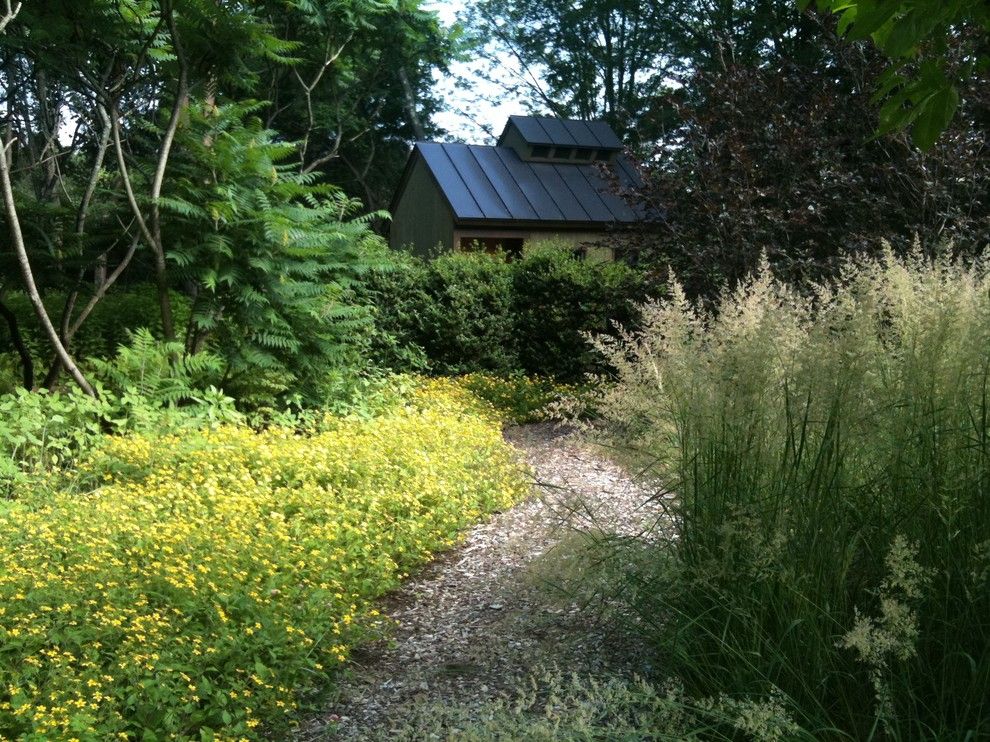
204 581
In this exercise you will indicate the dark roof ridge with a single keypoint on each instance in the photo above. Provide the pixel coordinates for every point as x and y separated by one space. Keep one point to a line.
587 134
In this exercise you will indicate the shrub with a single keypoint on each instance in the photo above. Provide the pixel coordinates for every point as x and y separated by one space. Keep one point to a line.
122 311
141 389
40 431
454 313
205 580
517 399
475 313
830 457
559 300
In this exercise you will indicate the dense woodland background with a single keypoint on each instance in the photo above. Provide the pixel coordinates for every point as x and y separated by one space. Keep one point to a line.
240 154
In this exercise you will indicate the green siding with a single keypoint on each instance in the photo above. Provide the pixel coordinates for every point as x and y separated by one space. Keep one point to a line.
422 218
514 140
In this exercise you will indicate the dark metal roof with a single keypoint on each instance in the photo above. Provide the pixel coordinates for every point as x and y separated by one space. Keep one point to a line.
544 130
493 184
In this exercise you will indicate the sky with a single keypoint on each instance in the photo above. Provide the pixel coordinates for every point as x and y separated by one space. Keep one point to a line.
465 116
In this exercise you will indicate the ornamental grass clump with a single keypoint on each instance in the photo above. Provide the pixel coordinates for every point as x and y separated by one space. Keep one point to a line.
195 586
831 460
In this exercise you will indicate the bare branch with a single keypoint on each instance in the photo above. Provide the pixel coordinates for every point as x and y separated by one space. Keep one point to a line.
9 14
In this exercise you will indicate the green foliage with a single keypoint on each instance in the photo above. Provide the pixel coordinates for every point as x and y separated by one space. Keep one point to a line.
122 312
363 109
142 388
921 86
453 313
470 312
271 252
829 458
518 399
41 431
558 301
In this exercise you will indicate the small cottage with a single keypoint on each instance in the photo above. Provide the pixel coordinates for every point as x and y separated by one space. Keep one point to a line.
544 179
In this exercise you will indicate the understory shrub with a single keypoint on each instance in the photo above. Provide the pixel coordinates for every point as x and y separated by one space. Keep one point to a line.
519 399
195 585
451 315
476 313
122 311
558 300
830 456
142 388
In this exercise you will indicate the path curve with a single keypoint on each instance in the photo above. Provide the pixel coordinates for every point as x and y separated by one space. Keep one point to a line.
477 620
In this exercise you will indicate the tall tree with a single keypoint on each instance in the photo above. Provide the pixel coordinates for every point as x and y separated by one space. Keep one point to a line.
617 59
99 96
782 159
600 59
361 89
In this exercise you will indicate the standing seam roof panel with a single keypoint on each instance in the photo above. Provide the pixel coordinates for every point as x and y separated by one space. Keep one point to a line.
493 183
504 182
476 178
605 135
585 194
530 184
616 206
531 130
450 182
558 132
628 176
584 136
560 192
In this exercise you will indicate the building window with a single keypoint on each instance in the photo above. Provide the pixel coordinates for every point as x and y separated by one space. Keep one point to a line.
511 246
562 153
584 154
602 154
541 151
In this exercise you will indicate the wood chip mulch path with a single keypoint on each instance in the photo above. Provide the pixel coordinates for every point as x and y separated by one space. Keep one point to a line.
475 622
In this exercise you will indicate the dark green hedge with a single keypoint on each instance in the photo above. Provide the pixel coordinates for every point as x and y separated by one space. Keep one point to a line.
468 312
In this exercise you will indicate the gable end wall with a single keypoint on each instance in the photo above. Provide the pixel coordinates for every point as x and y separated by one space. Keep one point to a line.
422 218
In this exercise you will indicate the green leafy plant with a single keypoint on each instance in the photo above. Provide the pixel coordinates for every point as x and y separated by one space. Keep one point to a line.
920 87
43 431
272 252
558 301
206 580
475 313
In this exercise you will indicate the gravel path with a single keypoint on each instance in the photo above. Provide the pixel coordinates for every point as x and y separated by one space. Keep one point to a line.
480 618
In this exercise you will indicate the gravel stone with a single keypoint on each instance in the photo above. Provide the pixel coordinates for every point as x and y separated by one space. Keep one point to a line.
477 620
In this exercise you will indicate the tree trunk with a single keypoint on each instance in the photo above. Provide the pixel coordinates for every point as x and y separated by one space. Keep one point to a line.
17 238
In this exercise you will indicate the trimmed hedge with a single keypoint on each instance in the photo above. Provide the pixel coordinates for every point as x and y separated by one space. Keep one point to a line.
475 313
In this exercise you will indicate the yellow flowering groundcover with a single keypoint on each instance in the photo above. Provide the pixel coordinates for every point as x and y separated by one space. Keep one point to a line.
192 587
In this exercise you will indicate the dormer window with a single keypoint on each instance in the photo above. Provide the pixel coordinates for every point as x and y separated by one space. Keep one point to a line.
546 139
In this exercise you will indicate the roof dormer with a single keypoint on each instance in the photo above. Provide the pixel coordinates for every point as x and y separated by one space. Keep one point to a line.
546 139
